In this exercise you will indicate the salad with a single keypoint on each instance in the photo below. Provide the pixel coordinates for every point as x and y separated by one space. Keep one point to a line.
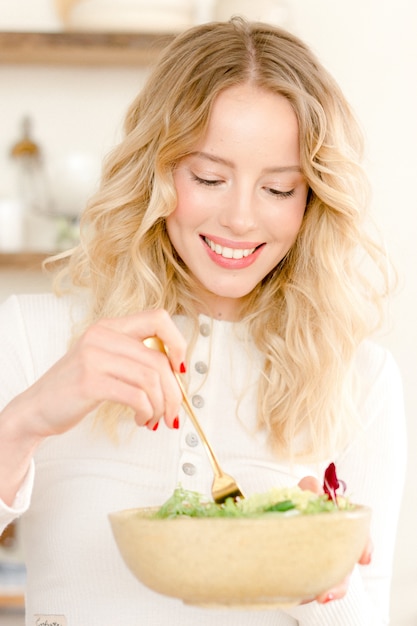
277 500
285 500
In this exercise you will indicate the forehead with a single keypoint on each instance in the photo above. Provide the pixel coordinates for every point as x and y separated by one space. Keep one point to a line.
246 117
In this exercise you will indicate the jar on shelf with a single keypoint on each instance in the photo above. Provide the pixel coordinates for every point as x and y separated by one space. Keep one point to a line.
31 193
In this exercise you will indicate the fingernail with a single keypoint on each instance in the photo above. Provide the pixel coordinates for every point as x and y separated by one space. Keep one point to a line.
328 598
176 423
156 426
183 368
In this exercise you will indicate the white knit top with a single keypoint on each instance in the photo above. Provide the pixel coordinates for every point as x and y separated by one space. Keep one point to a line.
75 575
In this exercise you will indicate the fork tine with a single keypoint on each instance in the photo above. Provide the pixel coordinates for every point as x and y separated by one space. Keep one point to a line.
224 487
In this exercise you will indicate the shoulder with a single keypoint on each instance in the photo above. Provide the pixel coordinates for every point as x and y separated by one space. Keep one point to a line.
374 361
32 309
378 380
36 328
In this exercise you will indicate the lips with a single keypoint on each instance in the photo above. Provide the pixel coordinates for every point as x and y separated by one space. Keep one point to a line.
228 252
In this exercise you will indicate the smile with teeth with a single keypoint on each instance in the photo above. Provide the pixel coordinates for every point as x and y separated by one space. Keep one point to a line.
229 253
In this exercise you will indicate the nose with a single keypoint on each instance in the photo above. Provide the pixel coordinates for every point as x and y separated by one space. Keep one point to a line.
239 213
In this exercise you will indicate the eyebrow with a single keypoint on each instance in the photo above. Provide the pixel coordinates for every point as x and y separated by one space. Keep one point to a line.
268 170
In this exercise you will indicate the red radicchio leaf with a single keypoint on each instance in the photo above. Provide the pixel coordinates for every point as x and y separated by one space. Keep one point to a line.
332 483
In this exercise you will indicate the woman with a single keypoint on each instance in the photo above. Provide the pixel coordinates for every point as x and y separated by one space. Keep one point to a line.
230 223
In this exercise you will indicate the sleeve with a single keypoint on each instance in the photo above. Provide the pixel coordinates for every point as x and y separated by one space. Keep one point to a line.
373 467
21 503
15 368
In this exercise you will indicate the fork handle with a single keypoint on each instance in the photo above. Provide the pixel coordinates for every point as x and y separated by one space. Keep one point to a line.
156 344
215 464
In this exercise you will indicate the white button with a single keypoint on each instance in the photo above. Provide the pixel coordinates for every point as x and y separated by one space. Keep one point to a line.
189 469
197 401
205 330
191 440
201 367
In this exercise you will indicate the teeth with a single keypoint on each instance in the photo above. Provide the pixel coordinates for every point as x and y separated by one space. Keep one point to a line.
229 253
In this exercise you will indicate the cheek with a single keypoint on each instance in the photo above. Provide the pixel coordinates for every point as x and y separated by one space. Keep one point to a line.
182 216
192 207
288 224
299 218
179 215
185 215
185 196
297 213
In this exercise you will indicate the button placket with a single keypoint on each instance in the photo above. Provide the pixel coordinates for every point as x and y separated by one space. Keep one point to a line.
205 329
197 401
192 469
192 440
201 367
189 469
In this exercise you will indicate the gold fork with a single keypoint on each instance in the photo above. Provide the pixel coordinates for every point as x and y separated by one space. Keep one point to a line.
224 486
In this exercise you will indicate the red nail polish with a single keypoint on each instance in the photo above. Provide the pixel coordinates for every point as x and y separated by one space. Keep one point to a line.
183 368
176 423
328 598
156 426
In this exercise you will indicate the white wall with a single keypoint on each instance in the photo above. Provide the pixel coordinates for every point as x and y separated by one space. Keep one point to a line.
371 48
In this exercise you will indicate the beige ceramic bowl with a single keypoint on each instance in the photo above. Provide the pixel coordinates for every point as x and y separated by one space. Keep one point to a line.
268 561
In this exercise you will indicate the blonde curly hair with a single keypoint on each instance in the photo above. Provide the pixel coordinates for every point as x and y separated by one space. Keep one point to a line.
309 315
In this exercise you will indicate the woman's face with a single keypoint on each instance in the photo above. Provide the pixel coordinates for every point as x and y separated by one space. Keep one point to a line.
241 196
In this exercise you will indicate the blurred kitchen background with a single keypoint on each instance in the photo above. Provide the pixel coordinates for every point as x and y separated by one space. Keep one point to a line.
68 71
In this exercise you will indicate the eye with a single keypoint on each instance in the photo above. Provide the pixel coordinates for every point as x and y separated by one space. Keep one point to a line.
205 181
280 194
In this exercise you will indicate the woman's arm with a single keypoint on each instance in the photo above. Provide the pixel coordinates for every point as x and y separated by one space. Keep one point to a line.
108 363
373 467
18 443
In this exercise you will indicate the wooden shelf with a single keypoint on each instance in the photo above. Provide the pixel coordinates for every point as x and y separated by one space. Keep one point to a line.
71 48
23 260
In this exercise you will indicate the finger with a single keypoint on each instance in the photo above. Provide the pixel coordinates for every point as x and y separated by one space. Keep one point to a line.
114 389
99 375
161 395
161 387
139 401
366 556
154 382
310 483
151 323
152 424
119 356
336 593
109 336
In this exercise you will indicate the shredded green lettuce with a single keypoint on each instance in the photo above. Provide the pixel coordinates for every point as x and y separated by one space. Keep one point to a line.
282 501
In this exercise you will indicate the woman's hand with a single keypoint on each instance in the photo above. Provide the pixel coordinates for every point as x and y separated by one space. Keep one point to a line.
109 362
338 592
